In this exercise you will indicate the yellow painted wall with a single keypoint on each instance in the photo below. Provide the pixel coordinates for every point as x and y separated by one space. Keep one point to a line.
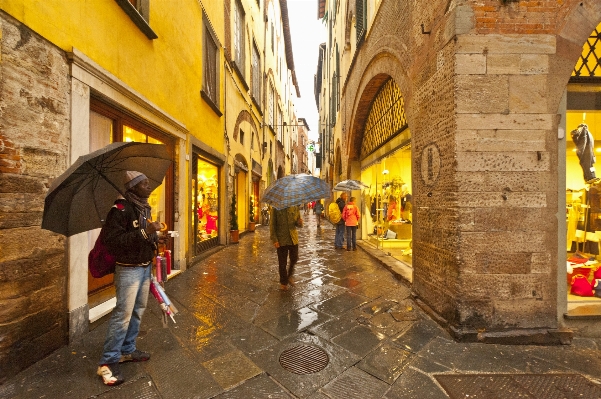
167 70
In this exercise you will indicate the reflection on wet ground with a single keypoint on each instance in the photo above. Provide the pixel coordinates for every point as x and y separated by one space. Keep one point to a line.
234 323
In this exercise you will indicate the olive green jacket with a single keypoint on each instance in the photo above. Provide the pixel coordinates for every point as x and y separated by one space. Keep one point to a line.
282 226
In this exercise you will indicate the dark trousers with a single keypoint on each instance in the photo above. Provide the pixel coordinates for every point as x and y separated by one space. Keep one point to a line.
351 237
283 252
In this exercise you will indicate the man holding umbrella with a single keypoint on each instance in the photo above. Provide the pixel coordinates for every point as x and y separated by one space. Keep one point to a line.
284 236
132 238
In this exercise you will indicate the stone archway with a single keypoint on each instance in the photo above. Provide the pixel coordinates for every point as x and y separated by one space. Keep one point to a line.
384 66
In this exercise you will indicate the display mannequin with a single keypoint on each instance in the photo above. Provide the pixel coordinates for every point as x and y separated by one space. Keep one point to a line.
585 150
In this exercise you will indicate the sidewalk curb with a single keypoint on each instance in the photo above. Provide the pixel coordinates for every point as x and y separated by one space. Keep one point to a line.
399 269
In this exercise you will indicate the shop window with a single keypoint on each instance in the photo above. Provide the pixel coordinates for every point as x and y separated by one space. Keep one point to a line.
205 203
583 187
108 125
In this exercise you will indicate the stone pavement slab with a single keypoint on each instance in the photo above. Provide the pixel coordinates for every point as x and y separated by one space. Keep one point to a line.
386 362
355 384
303 385
234 324
294 322
261 386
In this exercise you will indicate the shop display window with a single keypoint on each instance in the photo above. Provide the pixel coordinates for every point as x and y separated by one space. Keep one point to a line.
583 208
205 202
388 204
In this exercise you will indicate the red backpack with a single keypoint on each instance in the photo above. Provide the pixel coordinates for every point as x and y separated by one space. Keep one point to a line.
100 261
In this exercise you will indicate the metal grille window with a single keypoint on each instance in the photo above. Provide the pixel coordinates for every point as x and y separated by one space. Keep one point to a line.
386 118
239 36
589 64
256 74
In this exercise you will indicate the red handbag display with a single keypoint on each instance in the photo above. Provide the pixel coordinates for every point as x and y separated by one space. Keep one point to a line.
597 274
581 286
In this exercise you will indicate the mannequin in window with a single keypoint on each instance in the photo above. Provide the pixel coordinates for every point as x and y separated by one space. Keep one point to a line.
585 147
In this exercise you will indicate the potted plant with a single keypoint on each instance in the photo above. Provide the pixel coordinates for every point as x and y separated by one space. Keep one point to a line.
234 233
251 215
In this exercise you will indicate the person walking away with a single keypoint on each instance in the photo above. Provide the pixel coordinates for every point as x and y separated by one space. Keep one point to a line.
132 238
319 212
284 236
351 216
340 227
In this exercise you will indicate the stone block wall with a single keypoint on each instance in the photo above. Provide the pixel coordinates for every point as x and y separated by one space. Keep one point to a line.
483 85
34 143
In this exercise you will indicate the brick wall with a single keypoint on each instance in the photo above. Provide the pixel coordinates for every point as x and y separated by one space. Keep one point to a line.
34 140
483 87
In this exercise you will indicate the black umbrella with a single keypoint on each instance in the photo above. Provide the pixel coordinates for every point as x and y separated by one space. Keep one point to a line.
80 198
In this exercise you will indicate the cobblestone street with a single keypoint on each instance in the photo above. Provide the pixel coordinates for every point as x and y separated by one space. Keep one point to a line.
347 329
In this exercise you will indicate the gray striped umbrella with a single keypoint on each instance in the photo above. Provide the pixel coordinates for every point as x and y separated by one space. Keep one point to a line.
350 185
295 190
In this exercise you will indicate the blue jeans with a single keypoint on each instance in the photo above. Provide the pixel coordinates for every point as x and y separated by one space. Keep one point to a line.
131 286
339 237
351 237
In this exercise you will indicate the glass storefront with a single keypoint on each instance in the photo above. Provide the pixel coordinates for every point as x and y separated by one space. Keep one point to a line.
108 125
205 204
583 207
583 183
387 204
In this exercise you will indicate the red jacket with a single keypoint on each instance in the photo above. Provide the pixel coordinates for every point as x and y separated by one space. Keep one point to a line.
350 214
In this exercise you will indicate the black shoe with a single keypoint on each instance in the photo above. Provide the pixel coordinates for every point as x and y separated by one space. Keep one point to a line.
348 249
135 356
354 249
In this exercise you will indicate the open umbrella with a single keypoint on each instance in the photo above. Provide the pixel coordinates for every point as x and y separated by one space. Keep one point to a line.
80 198
295 190
350 185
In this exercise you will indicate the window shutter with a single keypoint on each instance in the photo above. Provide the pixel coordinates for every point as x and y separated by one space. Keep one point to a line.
360 19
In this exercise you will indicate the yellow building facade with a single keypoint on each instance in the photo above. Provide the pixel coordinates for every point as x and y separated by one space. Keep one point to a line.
213 81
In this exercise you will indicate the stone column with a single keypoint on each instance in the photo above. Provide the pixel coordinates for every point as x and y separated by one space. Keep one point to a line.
78 244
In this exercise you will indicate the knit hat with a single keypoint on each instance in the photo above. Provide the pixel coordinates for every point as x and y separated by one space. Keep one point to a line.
132 178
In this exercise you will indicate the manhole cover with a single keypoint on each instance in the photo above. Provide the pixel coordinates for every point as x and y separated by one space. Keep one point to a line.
517 386
304 359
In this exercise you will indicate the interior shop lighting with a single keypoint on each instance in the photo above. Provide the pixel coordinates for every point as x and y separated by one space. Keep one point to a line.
385 172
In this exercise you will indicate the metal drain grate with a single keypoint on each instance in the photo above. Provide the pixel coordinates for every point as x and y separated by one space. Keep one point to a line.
518 386
304 359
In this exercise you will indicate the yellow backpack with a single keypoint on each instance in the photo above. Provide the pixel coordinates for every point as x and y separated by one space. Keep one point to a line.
334 213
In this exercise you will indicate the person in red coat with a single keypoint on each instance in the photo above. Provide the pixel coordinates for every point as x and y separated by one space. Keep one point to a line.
351 215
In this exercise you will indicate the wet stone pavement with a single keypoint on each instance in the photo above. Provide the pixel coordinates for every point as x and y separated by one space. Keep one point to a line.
347 329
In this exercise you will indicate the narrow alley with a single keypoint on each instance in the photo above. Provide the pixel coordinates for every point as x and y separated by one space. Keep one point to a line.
347 329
